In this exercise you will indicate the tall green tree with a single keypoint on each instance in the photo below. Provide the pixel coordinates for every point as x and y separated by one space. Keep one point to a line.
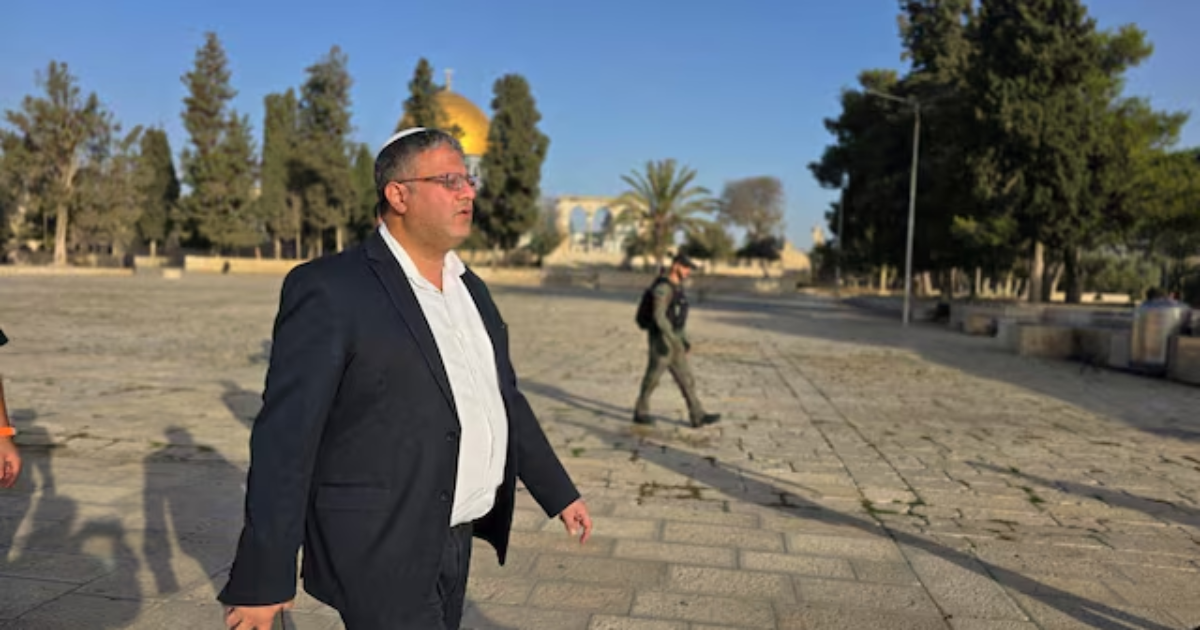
159 189
421 108
362 219
869 164
1042 82
219 166
507 204
54 133
324 129
109 200
277 203
662 201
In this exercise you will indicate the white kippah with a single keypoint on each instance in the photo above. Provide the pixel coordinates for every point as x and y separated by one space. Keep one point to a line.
399 134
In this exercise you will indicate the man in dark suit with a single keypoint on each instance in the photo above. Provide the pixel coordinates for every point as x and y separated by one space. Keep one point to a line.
392 429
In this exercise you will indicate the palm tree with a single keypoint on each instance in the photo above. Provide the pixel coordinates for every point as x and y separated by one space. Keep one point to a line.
661 201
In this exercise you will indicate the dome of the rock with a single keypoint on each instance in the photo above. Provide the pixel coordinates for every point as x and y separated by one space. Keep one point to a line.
467 116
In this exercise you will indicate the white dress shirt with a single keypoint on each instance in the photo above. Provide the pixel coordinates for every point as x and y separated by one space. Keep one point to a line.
466 350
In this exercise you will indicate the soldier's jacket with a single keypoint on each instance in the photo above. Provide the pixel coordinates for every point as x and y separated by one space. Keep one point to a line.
673 336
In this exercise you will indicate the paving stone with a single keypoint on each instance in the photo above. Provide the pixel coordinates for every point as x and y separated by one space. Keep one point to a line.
740 537
676 553
745 584
600 570
581 596
814 566
880 549
612 622
883 572
822 617
894 597
704 608
503 617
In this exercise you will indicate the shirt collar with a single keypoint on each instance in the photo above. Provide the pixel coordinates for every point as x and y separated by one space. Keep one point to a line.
452 264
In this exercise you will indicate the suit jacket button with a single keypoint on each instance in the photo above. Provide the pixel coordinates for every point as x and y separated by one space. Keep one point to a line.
451 436
444 496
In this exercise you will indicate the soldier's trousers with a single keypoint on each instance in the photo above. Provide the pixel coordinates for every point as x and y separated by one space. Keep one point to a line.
662 359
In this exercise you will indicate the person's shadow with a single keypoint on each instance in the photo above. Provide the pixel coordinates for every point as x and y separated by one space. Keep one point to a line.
37 476
96 556
193 506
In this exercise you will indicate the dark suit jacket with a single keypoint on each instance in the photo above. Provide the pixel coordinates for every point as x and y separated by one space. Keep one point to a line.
355 451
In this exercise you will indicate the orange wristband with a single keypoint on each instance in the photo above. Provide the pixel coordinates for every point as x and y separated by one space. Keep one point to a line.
8 431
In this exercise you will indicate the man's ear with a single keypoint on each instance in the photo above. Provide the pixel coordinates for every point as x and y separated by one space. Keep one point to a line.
397 197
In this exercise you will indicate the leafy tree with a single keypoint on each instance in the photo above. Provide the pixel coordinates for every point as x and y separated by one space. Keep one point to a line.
754 203
219 166
869 162
709 242
765 250
507 202
54 132
545 237
421 108
325 183
280 147
1043 81
110 196
159 188
661 201
362 220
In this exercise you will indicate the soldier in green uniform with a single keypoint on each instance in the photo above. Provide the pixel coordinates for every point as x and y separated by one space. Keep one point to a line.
669 344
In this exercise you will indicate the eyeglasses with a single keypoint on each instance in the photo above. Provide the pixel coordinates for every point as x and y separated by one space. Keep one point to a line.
450 181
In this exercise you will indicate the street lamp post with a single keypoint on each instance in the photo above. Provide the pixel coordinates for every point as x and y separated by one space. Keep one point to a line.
841 237
912 197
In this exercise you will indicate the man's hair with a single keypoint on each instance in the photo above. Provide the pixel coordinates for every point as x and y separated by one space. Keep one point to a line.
398 159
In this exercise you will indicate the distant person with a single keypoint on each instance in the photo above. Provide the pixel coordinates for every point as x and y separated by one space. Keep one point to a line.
663 314
391 430
10 458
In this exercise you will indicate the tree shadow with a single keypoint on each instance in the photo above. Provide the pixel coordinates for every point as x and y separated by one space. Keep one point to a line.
726 477
1106 393
198 508
1157 508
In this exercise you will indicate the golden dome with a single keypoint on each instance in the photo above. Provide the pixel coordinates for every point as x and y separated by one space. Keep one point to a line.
469 118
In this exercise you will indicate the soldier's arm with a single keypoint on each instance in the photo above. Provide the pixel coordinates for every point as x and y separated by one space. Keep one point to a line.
662 300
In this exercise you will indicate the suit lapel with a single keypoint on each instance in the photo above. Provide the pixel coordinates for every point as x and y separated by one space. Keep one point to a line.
388 270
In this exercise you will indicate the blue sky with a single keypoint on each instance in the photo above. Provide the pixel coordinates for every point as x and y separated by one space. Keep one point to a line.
730 89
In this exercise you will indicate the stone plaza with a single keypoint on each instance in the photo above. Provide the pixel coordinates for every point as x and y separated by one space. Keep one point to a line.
863 476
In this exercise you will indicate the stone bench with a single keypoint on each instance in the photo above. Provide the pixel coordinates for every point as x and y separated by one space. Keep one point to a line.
1184 364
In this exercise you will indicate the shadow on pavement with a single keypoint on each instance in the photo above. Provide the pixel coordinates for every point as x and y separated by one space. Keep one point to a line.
55 564
1102 392
1157 508
724 476
1154 406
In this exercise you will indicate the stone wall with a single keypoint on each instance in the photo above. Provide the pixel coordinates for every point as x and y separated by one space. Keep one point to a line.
221 264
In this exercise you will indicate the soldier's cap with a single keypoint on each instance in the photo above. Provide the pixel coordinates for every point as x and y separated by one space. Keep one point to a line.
683 259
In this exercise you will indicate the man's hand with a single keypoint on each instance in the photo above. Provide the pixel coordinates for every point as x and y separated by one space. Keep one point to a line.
10 463
254 617
576 518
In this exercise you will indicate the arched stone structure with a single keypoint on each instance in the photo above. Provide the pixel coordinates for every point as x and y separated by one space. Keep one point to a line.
590 205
